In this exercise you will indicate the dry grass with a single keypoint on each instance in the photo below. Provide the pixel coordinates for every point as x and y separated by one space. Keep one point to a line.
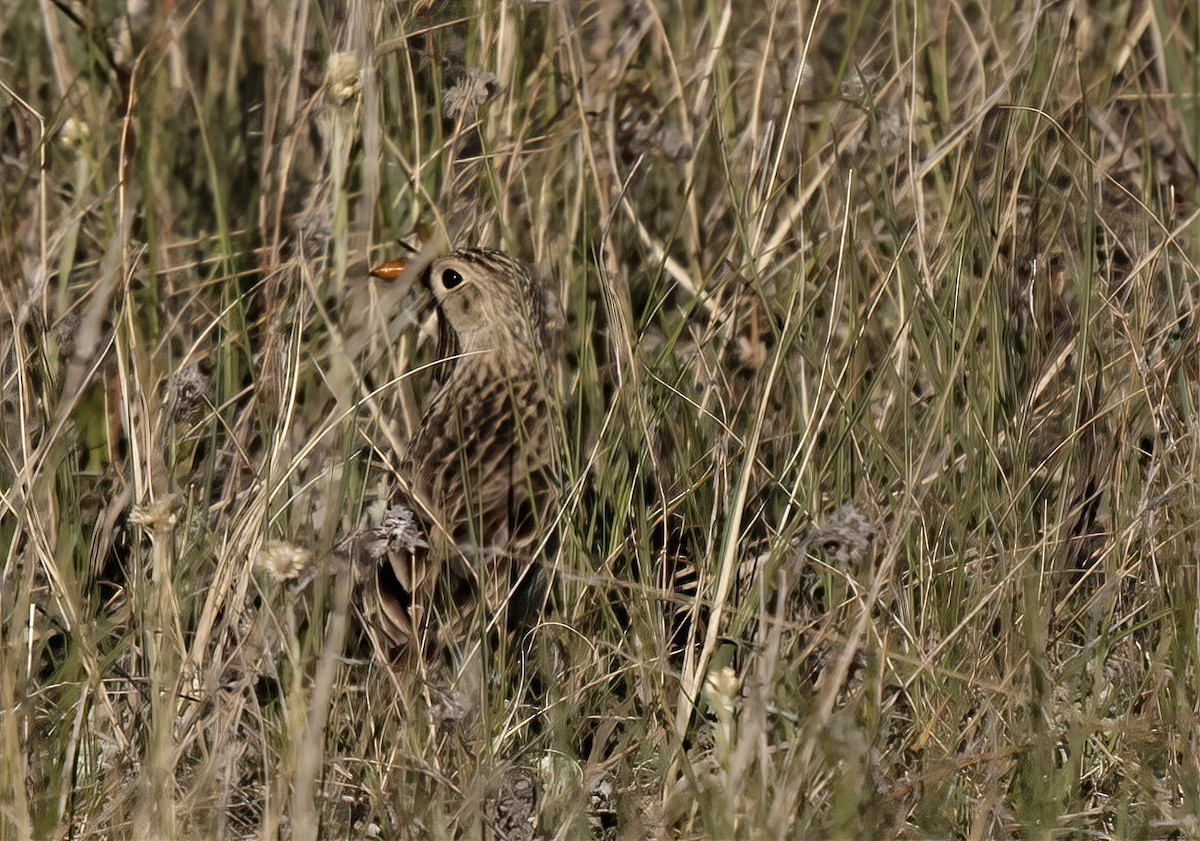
882 430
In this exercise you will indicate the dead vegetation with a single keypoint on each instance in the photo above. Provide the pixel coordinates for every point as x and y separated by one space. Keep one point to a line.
882 364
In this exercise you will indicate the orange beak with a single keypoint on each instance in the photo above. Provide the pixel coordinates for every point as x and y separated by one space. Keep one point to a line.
389 270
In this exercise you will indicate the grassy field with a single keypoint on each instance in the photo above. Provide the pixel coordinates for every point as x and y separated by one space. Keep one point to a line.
883 400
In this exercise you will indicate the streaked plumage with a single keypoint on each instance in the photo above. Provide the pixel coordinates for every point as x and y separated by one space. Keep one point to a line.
481 467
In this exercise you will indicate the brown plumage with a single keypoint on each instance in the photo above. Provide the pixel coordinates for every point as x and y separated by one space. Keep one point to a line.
480 470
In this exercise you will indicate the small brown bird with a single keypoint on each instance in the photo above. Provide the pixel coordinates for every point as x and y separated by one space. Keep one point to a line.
481 469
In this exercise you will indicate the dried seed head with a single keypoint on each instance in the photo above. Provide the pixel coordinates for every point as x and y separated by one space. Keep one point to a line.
721 690
399 532
474 89
283 561
158 517
342 77
74 133
187 387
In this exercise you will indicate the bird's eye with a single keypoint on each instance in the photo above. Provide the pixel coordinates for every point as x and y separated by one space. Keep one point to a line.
451 278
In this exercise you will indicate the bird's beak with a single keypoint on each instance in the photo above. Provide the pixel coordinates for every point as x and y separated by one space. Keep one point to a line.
390 270
394 270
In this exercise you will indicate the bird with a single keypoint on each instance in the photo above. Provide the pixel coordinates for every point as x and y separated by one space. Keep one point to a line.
480 473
